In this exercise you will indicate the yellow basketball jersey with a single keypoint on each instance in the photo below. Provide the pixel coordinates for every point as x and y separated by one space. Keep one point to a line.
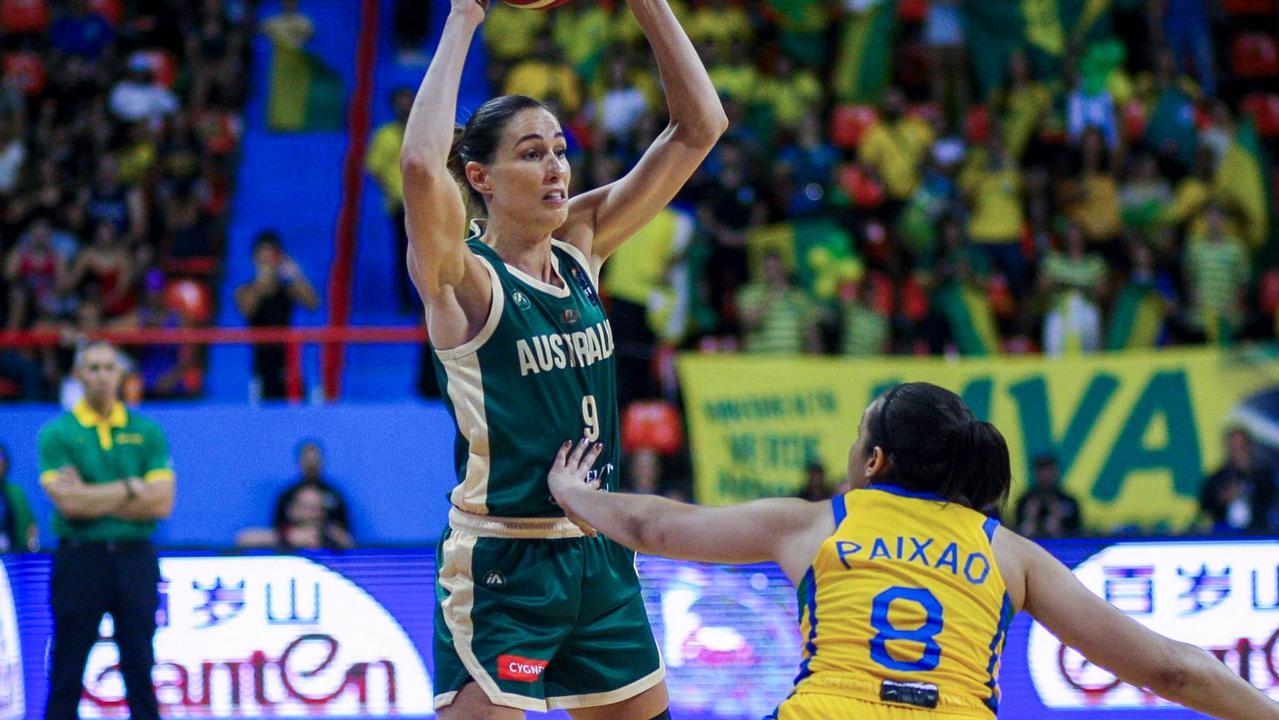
904 605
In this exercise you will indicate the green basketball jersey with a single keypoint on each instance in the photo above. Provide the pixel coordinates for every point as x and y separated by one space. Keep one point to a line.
540 372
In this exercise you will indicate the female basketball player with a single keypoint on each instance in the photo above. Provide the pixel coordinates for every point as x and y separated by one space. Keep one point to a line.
906 591
533 614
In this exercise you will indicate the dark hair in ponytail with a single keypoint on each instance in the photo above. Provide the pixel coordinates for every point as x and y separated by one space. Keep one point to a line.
477 141
936 445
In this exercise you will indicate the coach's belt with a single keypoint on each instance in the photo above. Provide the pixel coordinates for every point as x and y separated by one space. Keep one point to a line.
524 528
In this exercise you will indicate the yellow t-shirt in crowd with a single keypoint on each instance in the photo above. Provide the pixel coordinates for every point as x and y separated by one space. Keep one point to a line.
383 163
546 81
896 151
790 98
1097 210
720 26
509 31
996 207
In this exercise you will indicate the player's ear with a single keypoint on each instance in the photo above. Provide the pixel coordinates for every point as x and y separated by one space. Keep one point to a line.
877 462
477 175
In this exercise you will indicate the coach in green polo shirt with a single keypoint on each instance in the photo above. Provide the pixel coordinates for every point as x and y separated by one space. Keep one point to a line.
108 473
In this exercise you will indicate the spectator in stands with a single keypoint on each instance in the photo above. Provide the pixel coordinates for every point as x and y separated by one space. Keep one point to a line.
18 530
383 163
1240 496
816 487
310 460
140 96
636 279
412 23
1186 31
865 332
789 92
290 28
959 281
213 54
1092 200
545 76
309 514
81 32
731 208
621 106
994 191
13 155
304 527
777 317
166 371
812 158
944 43
108 271
644 472
268 301
1217 271
1138 315
1090 106
1046 511
1072 283
895 147
111 201
34 271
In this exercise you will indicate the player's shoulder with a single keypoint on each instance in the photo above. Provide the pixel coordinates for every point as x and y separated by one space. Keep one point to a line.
60 423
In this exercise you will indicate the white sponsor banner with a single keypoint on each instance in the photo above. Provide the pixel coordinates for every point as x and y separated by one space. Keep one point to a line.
267 637
1223 597
13 704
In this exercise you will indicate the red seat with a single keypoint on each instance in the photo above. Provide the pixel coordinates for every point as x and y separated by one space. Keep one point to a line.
192 299
652 424
849 123
1134 120
109 9
24 16
27 68
865 190
914 300
1248 7
1254 55
881 293
912 11
1268 292
978 124
1264 109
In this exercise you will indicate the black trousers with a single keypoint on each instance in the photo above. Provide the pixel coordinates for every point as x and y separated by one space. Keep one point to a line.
89 580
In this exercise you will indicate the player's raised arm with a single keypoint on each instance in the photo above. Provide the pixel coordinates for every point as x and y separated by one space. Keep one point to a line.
1174 670
784 530
434 208
602 219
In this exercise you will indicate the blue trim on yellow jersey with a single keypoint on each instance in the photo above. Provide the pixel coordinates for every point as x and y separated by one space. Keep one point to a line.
1006 616
903 492
840 508
808 601
989 528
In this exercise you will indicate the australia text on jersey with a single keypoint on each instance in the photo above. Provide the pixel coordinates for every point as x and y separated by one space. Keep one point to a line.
555 351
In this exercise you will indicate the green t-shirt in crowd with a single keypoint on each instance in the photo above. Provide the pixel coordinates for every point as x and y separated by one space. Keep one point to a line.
103 449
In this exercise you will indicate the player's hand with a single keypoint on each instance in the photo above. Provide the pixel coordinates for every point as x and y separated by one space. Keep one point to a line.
570 476
475 9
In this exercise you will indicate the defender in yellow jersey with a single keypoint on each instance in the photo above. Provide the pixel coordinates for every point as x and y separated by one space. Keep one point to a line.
908 575
906 590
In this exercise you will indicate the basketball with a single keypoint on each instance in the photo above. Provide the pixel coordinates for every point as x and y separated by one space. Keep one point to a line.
535 4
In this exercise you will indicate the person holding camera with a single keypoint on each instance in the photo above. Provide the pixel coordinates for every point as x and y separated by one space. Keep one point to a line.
268 301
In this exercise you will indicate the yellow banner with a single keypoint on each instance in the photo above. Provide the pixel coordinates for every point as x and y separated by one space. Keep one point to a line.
1134 433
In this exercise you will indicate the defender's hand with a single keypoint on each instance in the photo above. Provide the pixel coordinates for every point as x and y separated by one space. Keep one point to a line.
570 475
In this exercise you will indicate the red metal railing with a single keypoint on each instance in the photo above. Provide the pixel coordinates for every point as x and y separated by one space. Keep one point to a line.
292 338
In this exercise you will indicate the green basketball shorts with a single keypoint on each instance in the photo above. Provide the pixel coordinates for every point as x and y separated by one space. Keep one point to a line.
539 616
